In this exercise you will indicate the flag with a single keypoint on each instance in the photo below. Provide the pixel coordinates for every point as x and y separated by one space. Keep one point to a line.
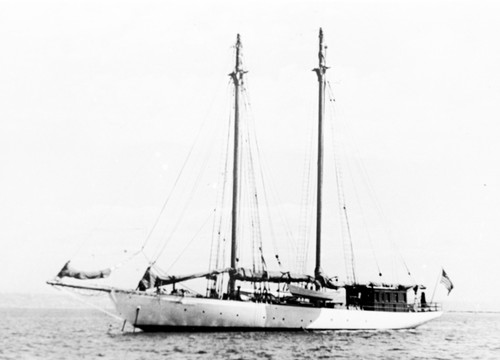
445 280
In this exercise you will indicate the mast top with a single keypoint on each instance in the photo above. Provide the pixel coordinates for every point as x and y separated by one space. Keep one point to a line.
322 51
238 72
321 69
238 54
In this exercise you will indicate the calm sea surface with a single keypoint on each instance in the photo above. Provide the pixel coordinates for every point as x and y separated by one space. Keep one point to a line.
88 334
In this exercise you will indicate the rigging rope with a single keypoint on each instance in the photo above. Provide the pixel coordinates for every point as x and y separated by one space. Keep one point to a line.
191 241
264 170
261 264
165 203
215 250
306 207
171 192
368 186
256 204
371 192
107 215
88 303
346 232
186 204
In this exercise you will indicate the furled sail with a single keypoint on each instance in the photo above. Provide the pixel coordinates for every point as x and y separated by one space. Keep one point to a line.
243 274
152 279
68 271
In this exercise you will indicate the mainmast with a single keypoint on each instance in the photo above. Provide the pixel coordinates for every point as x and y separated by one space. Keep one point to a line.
237 76
320 71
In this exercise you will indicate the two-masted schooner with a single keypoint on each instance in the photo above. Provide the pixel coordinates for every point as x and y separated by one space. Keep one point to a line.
313 302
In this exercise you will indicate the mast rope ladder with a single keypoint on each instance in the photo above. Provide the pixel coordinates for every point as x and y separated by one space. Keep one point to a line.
254 144
220 200
306 208
347 240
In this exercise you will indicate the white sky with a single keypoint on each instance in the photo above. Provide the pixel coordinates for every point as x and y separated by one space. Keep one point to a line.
100 101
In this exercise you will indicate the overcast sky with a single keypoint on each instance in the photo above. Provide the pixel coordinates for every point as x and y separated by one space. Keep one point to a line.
100 102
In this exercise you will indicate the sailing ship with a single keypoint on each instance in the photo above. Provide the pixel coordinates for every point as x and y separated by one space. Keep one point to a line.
312 302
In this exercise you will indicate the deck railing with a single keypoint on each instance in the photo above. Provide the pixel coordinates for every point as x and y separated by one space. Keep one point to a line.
397 307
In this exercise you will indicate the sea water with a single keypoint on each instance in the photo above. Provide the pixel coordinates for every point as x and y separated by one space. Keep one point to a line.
89 334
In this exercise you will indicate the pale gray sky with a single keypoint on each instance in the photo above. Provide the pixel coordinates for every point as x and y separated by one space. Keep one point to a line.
100 101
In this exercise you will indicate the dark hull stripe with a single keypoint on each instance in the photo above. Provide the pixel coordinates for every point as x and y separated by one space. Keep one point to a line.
160 328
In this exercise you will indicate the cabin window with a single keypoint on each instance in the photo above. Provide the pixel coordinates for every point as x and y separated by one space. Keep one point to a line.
396 297
376 296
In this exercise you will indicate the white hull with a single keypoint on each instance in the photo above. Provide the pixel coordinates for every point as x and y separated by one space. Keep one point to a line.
169 312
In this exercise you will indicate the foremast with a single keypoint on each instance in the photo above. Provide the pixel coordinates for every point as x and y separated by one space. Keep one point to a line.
320 72
237 77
